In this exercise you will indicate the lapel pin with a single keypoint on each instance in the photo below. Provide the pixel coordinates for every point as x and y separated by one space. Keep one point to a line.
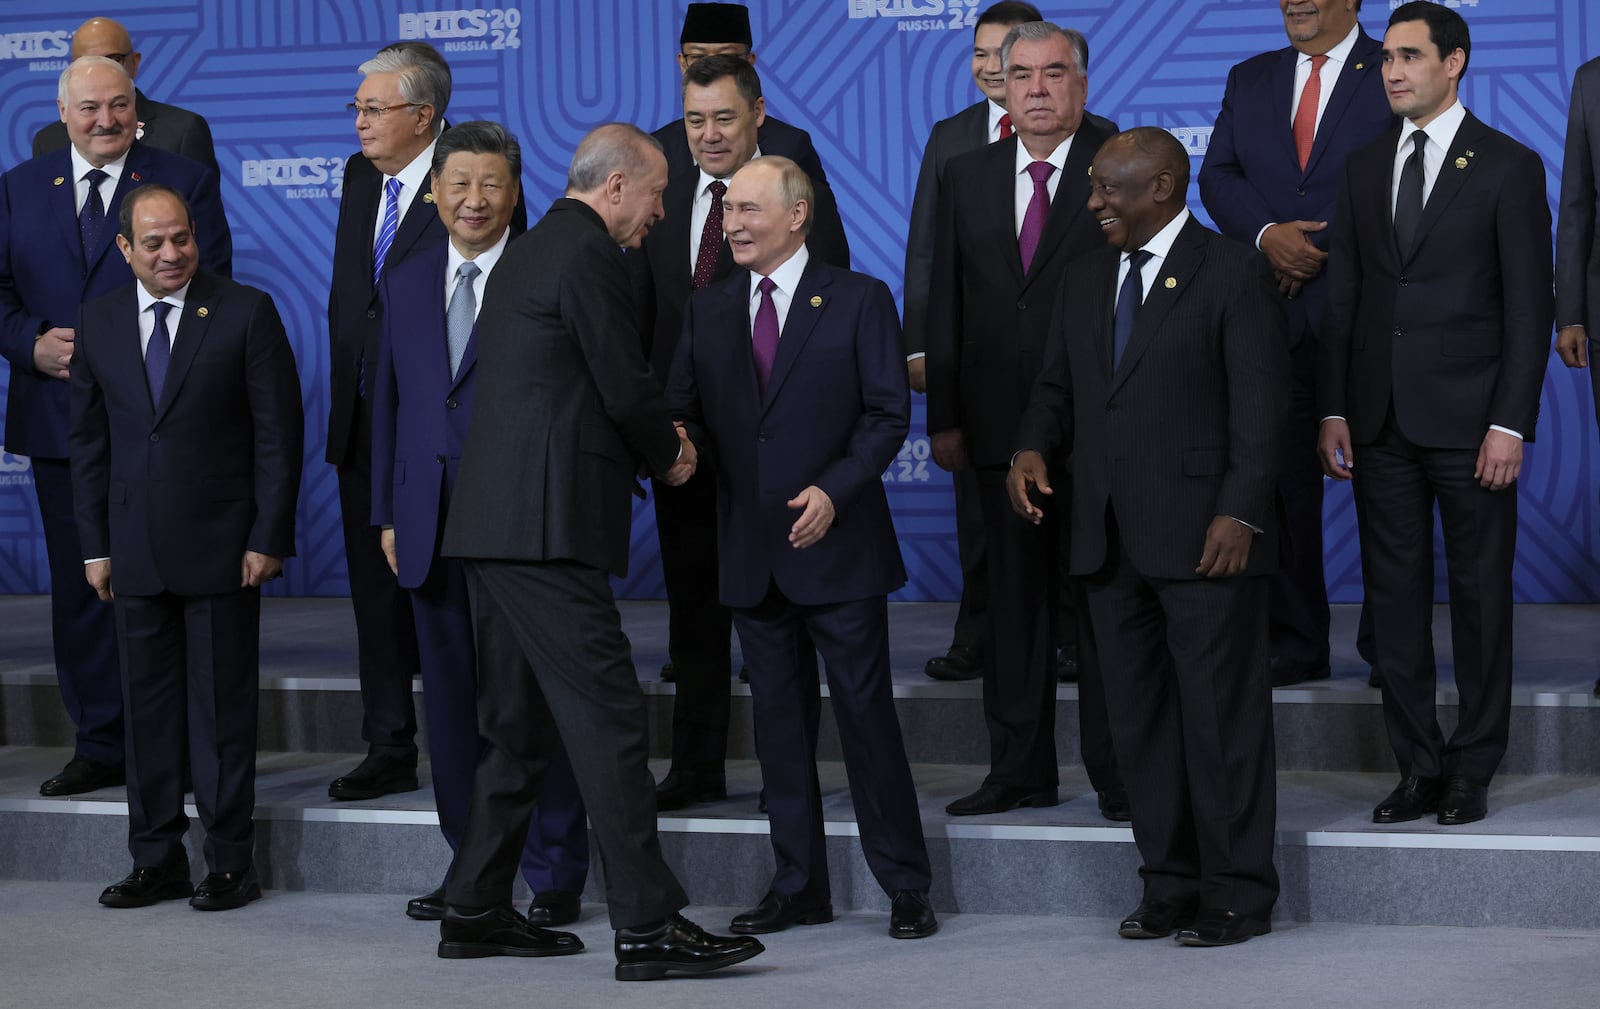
1170 283
427 197
816 301
60 179
1461 162
1361 66
135 176
202 311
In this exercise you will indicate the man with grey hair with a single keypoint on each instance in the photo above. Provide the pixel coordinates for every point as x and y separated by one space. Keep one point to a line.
566 414
48 268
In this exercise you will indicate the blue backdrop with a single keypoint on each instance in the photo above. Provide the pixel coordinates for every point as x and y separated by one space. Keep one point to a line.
866 77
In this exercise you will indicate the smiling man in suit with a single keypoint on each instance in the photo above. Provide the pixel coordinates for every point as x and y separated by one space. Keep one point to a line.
1433 353
58 215
1167 377
789 375
1289 119
186 442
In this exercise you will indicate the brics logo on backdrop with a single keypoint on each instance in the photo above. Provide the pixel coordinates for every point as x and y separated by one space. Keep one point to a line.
14 470
474 29
43 50
918 15
299 178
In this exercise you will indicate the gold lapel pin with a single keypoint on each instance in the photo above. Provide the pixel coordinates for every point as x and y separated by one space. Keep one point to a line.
60 179
1461 162
1170 283
202 311
427 197
816 301
1361 66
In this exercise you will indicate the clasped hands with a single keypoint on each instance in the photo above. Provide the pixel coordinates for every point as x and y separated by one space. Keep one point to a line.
1294 259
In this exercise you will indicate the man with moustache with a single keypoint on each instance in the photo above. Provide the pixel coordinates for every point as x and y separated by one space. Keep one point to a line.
1433 354
58 215
1167 378
566 414
1289 119
1011 216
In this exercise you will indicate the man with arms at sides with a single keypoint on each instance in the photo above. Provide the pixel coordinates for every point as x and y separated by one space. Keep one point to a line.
1433 351
566 413
186 442
1577 251
159 125
789 377
723 112
1011 216
58 215
421 406
1289 120
1167 377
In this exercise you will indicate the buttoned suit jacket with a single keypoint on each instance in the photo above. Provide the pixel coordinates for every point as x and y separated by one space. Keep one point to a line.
1578 222
168 127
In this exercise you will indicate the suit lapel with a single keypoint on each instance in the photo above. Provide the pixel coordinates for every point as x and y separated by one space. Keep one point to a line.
1070 200
1281 102
65 196
1363 60
198 307
736 323
133 169
124 357
1171 282
1453 174
997 204
674 232
805 308
419 215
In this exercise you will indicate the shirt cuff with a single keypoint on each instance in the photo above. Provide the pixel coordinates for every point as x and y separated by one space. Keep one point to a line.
95 560
913 357
1247 525
1331 416
1263 231
1506 430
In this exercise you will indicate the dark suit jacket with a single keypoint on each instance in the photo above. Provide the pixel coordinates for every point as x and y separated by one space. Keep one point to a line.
566 411
664 278
774 137
45 277
1189 426
165 126
175 492
987 321
1578 224
1456 334
419 412
1251 176
836 411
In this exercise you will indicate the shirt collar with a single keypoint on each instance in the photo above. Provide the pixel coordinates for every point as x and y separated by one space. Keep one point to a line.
707 179
1340 53
175 299
1442 130
412 175
486 259
1057 157
80 165
787 275
1160 243
996 110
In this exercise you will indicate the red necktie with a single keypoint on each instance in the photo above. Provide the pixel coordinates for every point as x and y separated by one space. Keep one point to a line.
1005 125
764 333
1305 115
705 261
1038 209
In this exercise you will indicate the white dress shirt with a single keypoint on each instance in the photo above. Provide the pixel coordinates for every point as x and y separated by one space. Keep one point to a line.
787 278
1024 187
108 185
1441 134
147 318
486 261
411 177
1159 246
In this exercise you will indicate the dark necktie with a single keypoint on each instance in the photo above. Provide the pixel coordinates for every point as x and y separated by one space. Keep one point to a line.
1005 125
158 351
1038 210
1129 300
461 314
1305 114
705 261
764 333
93 215
1408 202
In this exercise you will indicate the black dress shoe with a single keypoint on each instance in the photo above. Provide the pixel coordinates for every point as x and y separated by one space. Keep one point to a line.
1156 919
376 776
83 775
679 789
1221 928
777 911
1114 805
428 907
554 907
499 931
669 674
1375 680
991 798
744 674
224 891
911 915
678 946
1067 664
1463 802
150 885
1410 799
959 663
1283 672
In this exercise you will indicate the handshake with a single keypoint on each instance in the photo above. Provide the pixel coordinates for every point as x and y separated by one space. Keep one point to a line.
683 469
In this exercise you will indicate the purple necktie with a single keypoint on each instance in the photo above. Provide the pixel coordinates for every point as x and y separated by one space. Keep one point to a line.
157 352
764 333
1038 210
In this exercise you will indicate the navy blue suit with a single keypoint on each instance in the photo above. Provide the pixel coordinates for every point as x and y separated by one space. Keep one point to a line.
419 425
45 277
835 412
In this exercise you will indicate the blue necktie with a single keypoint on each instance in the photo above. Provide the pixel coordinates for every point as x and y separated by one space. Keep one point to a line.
1128 301
461 314
93 215
158 352
391 224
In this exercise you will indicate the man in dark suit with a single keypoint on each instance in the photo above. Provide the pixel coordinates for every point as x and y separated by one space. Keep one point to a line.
1577 225
1433 352
186 442
566 413
1167 377
723 113
159 125
801 429
1289 119
421 405
976 126
723 29
57 218
1011 216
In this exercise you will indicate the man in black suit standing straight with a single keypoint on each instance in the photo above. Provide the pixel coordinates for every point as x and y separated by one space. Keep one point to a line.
1167 378
1433 353
567 413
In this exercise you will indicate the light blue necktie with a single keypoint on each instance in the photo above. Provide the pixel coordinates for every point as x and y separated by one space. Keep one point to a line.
461 314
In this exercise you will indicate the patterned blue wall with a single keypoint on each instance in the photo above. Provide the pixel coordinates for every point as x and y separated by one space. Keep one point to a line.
867 77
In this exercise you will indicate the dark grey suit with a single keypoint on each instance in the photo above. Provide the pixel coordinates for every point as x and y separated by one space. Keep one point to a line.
1578 226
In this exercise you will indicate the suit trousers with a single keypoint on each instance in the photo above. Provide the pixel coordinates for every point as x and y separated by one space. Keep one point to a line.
192 686
556 855
973 614
1299 592
1396 486
551 653
1191 716
777 637
82 627
386 637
